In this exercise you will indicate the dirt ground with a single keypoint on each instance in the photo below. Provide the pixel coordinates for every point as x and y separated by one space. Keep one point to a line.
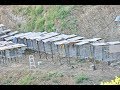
52 73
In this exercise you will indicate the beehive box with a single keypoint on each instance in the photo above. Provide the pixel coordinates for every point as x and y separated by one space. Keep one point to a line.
83 50
11 51
114 50
30 40
50 47
100 51
41 44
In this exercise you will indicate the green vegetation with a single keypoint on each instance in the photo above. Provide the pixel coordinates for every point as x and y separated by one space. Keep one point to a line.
115 81
7 82
52 75
55 81
26 80
40 19
80 78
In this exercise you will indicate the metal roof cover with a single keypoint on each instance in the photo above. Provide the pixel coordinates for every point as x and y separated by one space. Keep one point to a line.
1 25
117 18
4 36
82 43
8 30
12 46
38 35
61 42
48 35
13 33
31 35
25 34
75 38
99 44
11 37
113 43
59 37
91 40
3 43
18 35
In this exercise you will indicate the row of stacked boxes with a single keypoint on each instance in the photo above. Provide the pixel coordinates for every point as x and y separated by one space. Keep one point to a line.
5 33
8 49
69 45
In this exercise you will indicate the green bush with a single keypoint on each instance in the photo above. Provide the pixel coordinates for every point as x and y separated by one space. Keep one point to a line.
25 80
80 78
51 75
39 19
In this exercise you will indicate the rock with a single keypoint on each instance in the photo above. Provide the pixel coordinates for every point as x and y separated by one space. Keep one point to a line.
92 67
113 64
108 62
40 62
118 62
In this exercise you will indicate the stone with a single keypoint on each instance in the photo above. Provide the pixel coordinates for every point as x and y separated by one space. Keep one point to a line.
92 67
40 62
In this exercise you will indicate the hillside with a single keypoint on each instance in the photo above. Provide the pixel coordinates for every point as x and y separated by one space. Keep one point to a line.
85 20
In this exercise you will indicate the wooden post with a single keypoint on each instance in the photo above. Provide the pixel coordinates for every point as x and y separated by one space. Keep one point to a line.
51 50
94 58
59 55
78 51
45 51
39 50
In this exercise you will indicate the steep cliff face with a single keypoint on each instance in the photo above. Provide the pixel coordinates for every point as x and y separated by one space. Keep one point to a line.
90 20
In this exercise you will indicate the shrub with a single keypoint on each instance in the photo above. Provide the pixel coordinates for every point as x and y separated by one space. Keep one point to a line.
80 78
26 80
38 19
116 81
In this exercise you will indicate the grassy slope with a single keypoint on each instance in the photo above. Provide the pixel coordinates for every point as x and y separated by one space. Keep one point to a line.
55 18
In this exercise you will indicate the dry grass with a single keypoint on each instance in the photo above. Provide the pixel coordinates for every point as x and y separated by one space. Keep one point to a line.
56 74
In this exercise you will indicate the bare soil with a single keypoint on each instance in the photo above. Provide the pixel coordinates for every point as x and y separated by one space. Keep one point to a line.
14 72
